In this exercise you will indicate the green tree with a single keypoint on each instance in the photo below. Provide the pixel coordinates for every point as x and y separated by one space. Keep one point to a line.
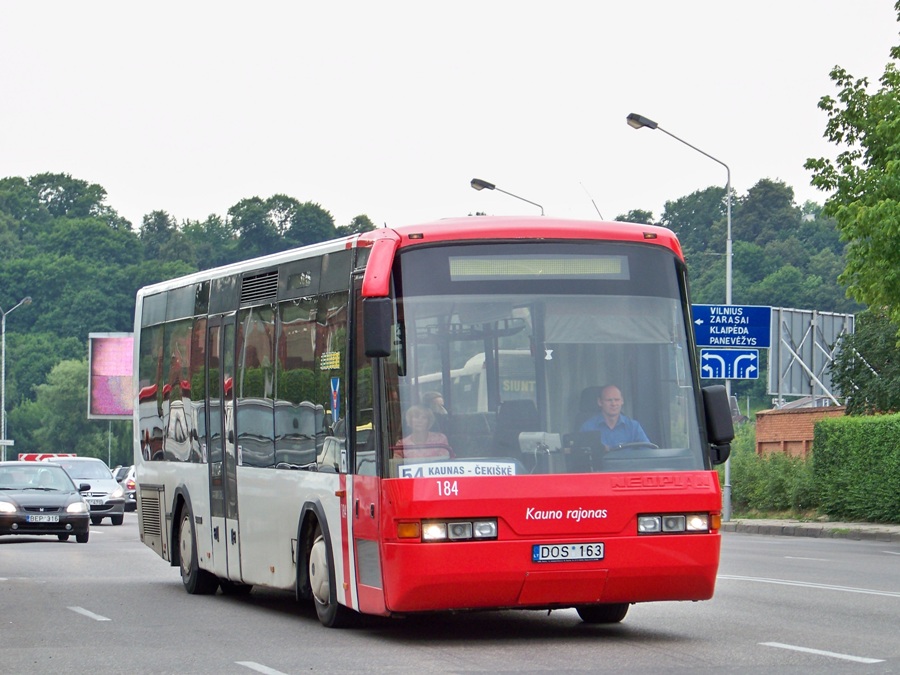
699 220
310 224
864 181
359 224
256 231
766 213
866 368
30 356
92 239
162 239
62 406
64 196
636 216
212 241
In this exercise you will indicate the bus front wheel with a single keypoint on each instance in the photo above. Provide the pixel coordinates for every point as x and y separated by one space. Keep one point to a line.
195 580
330 612
603 613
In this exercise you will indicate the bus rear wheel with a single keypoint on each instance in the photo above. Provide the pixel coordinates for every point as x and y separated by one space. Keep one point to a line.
195 580
603 613
330 612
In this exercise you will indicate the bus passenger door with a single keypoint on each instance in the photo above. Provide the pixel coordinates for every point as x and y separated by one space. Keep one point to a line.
222 448
364 505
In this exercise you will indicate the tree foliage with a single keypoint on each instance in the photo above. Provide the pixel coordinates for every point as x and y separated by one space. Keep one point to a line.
864 181
866 368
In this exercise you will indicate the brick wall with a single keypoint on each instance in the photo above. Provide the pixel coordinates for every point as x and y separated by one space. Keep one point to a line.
790 431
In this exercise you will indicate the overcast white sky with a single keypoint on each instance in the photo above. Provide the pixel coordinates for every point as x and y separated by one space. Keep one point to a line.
390 108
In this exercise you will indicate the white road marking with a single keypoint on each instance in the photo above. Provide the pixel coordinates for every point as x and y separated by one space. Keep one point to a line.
90 615
892 552
804 584
819 652
797 557
259 668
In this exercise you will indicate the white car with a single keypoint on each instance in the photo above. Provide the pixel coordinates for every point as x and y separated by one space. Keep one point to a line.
106 498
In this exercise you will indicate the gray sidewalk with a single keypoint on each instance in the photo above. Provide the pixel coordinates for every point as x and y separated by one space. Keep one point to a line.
798 528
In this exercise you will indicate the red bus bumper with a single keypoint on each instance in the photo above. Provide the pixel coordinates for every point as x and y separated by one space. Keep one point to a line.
421 577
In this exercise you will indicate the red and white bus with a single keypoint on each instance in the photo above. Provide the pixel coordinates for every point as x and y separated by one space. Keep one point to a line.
288 463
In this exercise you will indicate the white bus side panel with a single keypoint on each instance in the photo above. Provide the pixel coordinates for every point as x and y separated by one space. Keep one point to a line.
269 506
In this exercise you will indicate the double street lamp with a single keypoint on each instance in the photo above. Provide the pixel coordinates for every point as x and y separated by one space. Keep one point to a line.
639 122
24 301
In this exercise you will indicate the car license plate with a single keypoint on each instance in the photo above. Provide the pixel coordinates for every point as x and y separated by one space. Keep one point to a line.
94 502
567 552
43 519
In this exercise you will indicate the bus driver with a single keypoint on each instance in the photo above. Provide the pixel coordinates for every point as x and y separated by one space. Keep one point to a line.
614 427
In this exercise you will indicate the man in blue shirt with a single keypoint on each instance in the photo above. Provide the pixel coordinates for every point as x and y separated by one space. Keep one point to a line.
614 427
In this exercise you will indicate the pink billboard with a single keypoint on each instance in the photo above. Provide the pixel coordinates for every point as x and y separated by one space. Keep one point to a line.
110 358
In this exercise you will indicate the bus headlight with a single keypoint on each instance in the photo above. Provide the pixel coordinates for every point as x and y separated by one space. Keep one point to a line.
649 524
434 531
459 530
485 529
676 523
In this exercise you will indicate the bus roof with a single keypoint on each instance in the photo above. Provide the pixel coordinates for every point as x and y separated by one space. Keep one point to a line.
386 241
529 227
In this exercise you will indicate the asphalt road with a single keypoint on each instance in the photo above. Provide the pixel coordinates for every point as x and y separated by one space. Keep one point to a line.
782 605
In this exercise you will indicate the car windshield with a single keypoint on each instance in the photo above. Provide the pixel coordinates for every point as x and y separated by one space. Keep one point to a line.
79 470
37 477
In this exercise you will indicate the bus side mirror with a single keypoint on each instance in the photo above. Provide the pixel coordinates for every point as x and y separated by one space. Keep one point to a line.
719 425
378 318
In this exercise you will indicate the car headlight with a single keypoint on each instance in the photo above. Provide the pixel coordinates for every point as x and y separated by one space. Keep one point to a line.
6 507
118 492
77 507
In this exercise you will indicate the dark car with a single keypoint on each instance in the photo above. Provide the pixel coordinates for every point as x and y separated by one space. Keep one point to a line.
38 498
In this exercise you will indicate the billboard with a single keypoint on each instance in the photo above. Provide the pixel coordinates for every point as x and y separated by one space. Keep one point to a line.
110 366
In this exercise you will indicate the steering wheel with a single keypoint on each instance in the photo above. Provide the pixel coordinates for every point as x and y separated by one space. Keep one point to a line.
635 444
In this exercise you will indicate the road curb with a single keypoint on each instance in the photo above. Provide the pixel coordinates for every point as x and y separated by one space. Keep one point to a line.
854 531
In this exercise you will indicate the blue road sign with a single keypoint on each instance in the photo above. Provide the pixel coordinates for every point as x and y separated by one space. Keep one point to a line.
732 325
729 364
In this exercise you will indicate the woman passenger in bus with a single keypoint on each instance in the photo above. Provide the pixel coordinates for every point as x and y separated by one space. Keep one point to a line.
422 441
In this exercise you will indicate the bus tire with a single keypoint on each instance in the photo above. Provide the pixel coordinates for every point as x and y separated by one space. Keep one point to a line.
603 613
196 581
321 580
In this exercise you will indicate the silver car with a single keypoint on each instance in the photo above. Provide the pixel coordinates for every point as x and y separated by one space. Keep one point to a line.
106 498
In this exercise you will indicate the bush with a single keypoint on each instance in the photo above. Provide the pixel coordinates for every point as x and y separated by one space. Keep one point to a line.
857 467
774 483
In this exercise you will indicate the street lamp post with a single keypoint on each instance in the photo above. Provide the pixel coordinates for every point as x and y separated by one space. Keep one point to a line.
478 184
24 301
637 122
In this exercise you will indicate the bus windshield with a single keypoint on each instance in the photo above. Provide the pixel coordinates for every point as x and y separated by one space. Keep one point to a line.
547 357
